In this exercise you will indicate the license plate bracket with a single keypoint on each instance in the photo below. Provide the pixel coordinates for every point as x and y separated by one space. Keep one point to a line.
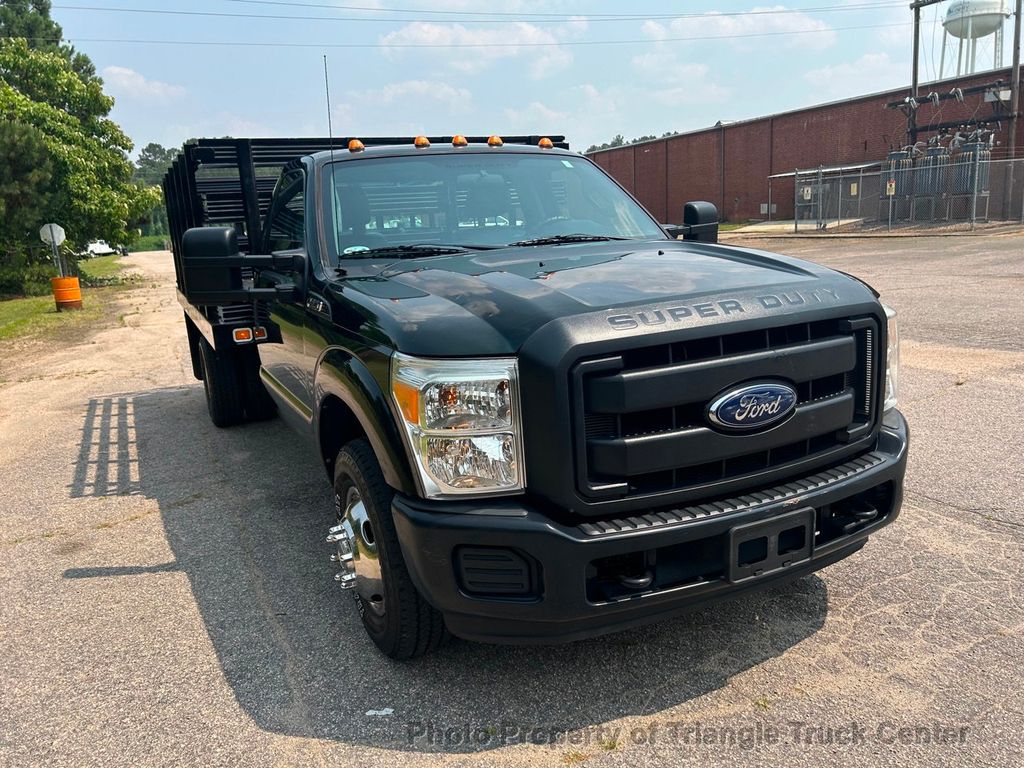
766 546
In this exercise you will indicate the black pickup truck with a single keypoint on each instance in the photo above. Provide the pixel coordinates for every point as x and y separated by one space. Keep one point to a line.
545 414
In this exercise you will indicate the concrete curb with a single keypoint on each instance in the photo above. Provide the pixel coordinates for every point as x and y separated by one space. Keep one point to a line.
1017 230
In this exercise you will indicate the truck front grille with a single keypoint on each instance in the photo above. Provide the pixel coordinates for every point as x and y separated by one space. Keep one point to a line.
642 426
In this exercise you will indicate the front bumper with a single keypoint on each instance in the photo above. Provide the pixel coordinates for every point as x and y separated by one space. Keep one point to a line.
596 577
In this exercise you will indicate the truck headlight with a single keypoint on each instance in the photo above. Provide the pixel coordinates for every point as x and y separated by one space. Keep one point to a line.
461 418
892 360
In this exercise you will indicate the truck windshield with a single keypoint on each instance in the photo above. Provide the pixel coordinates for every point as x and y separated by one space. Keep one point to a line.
476 199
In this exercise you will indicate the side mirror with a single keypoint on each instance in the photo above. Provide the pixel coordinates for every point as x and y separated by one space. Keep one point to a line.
700 222
211 266
700 218
207 256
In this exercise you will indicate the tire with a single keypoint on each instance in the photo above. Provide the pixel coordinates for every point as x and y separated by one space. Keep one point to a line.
220 382
409 626
259 405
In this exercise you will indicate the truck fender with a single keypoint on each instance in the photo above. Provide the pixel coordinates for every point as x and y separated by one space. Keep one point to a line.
341 375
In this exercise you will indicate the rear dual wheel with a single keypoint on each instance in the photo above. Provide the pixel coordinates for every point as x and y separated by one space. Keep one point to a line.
231 381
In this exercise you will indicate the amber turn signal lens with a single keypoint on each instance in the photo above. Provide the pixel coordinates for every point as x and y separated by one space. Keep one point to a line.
355 146
242 335
260 333
421 142
545 143
495 141
408 399
459 141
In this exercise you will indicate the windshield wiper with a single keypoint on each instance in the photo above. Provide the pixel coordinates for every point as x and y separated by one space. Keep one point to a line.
557 239
415 250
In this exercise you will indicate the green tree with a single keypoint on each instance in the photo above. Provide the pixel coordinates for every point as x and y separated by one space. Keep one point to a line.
150 167
46 77
26 177
619 141
152 163
93 192
31 20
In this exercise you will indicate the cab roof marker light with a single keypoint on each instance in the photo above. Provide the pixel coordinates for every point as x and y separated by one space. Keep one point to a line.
355 145
545 143
421 142
495 141
458 140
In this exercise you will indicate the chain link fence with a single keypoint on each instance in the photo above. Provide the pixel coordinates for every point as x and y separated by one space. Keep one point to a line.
939 193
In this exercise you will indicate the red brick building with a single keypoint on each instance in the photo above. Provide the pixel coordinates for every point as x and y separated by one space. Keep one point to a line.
729 164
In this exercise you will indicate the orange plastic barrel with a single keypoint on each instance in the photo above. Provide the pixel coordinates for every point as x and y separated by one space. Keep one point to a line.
66 293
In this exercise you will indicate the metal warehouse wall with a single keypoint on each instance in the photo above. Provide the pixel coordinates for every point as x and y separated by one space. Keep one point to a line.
730 164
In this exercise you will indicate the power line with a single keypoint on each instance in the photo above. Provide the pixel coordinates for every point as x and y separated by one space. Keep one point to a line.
531 44
568 17
526 18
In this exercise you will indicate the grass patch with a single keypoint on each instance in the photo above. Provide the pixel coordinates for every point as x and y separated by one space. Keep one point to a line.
728 226
150 243
104 271
37 316
20 316
99 268
574 758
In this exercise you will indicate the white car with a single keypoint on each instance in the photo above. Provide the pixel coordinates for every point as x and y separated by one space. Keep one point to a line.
99 248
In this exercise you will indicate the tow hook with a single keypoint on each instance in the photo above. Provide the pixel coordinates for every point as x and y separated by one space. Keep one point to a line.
342 540
637 581
862 514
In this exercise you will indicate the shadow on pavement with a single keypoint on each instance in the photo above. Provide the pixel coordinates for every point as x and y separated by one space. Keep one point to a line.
245 512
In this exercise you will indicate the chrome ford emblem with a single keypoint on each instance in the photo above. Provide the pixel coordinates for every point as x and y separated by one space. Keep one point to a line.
753 406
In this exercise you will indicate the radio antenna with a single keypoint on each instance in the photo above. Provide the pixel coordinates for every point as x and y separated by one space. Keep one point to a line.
330 127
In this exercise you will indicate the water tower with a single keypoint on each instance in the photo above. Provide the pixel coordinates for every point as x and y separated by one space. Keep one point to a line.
969 21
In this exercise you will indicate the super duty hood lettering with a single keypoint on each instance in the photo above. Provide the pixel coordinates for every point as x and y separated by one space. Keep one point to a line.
782 300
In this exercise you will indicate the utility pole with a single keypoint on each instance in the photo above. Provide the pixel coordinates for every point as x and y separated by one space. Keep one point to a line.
912 111
916 7
1011 145
1015 80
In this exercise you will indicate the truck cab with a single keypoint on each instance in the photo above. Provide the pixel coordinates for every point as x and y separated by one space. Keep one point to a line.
545 415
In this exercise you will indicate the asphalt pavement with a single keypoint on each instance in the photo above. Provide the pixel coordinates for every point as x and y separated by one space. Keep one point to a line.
166 596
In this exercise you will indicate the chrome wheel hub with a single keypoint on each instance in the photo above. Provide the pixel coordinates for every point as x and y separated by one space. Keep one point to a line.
356 552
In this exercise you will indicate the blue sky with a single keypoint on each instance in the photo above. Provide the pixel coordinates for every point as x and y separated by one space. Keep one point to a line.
499 82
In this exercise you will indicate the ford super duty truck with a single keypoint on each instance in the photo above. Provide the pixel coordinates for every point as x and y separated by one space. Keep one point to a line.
545 414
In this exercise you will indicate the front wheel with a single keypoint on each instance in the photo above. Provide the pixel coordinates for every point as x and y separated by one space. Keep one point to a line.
396 617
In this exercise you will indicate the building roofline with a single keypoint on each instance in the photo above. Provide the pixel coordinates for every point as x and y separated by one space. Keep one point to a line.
722 125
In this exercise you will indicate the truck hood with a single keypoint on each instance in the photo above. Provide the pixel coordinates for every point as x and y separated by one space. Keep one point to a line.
490 302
